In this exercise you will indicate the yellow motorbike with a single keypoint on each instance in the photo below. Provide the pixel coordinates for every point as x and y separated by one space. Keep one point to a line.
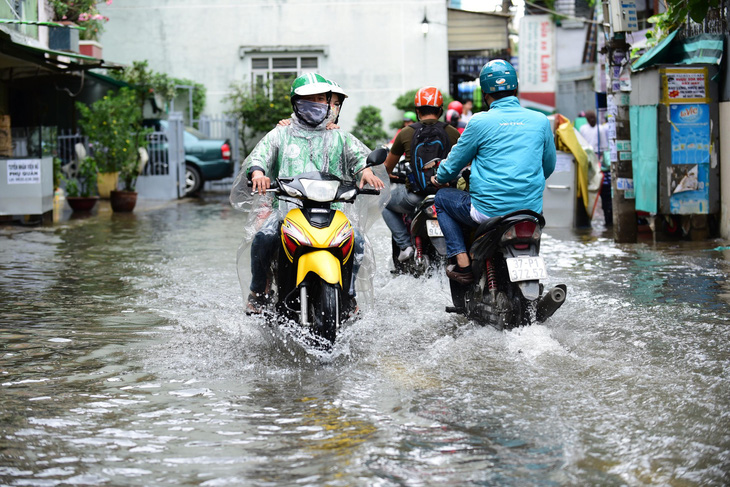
311 279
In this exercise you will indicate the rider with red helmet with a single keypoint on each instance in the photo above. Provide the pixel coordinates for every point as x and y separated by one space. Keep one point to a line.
403 199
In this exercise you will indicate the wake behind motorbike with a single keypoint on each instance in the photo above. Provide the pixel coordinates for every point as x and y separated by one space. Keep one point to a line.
310 281
507 266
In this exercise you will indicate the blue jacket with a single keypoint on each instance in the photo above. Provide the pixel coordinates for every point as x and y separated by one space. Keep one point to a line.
511 151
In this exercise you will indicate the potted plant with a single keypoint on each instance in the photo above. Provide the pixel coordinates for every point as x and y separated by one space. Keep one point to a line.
81 189
81 13
113 125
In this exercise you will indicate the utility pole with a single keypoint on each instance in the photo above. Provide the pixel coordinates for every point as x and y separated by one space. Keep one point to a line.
622 18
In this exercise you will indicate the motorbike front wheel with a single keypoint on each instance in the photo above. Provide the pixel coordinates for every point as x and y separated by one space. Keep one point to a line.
324 309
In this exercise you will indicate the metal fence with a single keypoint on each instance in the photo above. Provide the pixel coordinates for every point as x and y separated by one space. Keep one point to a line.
166 164
163 175
716 22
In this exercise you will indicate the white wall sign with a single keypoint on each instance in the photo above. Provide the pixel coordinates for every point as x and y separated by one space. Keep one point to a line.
24 171
537 73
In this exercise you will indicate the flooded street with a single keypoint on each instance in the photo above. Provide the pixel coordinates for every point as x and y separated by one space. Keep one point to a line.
126 359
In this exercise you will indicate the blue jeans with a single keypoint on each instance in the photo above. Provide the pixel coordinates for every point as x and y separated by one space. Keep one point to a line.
452 209
267 241
401 202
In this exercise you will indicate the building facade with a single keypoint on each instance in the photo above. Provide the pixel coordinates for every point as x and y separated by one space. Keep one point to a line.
376 50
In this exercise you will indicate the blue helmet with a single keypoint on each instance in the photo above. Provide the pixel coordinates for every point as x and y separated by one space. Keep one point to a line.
498 75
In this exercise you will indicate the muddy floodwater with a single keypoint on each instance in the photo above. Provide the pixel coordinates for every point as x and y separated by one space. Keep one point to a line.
126 359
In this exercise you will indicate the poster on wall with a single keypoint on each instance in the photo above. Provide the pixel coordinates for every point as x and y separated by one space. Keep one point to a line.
690 133
689 173
537 73
684 85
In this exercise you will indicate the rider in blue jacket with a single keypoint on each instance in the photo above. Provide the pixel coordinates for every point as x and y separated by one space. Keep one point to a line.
511 151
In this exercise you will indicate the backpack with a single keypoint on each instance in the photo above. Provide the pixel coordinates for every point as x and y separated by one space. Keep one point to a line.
429 142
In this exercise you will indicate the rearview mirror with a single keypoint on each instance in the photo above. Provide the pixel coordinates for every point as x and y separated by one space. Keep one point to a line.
377 157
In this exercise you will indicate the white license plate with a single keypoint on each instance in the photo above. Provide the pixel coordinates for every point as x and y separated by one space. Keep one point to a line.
526 268
433 229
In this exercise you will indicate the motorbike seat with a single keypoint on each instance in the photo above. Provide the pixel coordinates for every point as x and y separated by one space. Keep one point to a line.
514 216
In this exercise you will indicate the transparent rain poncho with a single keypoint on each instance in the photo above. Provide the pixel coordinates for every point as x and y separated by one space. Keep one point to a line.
295 149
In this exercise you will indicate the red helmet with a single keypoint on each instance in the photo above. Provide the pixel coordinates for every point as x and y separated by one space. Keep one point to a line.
429 96
456 105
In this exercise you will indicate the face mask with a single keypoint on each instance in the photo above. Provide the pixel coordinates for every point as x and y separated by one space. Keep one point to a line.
335 112
310 112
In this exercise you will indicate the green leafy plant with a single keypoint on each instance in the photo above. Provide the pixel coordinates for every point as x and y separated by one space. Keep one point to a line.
369 127
84 184
147 81
258 110
199 94
113 125
677 13
57 172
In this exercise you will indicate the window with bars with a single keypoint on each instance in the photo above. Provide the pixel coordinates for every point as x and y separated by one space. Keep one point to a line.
268 71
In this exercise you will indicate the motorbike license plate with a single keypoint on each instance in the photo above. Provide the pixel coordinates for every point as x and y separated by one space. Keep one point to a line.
526 268
433 229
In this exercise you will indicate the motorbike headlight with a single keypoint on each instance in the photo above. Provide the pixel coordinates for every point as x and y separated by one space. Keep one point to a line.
293 192
321 191
348 194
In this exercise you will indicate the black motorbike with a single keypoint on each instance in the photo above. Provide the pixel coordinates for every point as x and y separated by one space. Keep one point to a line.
427 240
506 292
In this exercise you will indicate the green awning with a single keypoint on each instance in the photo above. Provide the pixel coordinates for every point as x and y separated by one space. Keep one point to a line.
701 49
655 55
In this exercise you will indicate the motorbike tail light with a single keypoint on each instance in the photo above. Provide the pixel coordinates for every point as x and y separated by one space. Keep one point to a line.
524 230
226 152
431 211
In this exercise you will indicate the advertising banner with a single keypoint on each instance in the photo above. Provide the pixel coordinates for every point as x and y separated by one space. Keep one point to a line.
537 73
689 172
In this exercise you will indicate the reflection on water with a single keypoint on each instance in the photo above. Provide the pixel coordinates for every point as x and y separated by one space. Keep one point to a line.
126 360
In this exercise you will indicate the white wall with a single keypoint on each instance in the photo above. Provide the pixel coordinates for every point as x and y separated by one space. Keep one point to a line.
376 49
569 45
724 171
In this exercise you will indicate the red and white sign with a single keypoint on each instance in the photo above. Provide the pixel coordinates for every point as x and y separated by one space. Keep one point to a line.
537 73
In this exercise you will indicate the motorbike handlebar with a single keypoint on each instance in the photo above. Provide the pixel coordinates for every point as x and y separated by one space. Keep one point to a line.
368 191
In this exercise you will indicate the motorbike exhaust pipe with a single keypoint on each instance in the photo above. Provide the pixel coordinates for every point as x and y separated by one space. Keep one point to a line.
551 301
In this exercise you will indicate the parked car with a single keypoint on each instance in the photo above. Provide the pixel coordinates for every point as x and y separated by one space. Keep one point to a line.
206 159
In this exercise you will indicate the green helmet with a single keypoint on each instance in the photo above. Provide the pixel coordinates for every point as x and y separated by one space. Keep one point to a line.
336 88
498 75
310 84
410 116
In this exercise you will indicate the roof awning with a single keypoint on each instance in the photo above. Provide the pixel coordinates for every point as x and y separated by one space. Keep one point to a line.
21 60
701 49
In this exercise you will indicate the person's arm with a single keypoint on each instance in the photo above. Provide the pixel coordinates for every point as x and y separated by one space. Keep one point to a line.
367 177
548 153
460 156
260 160
390 161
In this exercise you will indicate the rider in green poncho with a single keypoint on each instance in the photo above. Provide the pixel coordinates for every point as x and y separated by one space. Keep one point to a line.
304 145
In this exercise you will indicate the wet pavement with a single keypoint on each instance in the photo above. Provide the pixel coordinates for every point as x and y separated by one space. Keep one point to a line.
126 359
